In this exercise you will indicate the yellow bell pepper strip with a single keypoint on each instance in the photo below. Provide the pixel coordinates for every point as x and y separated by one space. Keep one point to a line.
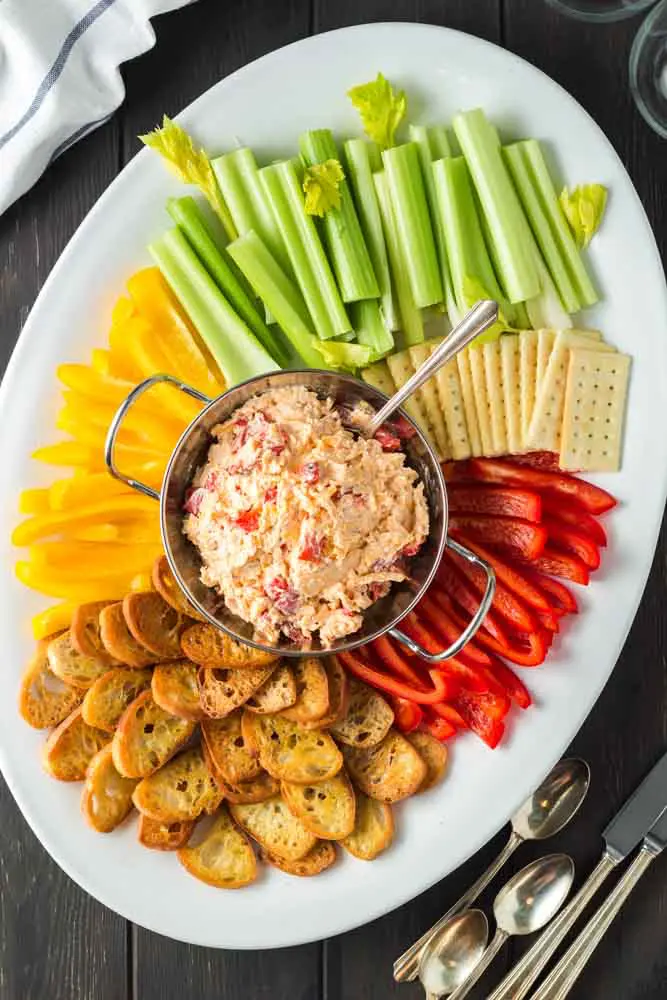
75 491
81 417
73 560
80 591
97 533
187 357
141 583
70 453
89 432
44 525
54 619
100 361
122 310
34 501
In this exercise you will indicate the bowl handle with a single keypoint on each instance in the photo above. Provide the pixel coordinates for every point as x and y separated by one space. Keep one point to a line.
117 421
477 619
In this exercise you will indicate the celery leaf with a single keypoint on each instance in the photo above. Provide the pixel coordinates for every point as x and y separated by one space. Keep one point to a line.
380 108
473 291
584 208
321 186
191 165
338 354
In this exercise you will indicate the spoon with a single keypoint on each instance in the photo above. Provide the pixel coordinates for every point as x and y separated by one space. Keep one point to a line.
528 902
551 807
480 318
453 953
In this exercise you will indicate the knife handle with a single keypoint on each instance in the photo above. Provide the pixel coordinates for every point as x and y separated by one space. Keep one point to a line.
519 980
562 978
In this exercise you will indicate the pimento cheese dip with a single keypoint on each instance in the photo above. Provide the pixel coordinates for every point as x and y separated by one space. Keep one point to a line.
301 525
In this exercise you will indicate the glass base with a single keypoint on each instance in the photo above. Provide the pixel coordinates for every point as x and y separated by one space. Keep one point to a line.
600 10
648 69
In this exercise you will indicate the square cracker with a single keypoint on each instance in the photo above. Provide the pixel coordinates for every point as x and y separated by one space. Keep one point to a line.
428 397
545 343
509 362
400 368
462 360
478 375
450 394
544 432
494 394
595 403
527 379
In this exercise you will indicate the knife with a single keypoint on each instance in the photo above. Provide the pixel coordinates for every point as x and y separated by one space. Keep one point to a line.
559 982
621 836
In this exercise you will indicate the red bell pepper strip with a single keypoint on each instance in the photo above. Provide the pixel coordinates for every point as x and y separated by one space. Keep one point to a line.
408 716
576 517
446 711
564 537
439 728
394 661
449 579
555 562
483 713
460 673
512 684
390 685
513 578
501 501
548 620
505 603
421 633
528 649
546 460
438 620
522 537
495 470
563 601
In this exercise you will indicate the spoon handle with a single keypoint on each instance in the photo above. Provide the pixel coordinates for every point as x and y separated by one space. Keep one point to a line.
519 980
485 961
480 317
563 976
406 968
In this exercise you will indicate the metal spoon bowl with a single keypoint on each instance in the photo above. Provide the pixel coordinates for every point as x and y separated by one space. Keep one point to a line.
453 953
554 802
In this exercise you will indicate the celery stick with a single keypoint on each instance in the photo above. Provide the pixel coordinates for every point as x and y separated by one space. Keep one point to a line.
500 204
187 216
412 326
413 223
278 292
343 235
438 141
369 328
466 250
521 175
306 253
428 140
233 345
357 154
534 159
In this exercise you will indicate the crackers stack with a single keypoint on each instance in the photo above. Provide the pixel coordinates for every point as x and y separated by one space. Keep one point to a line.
562 391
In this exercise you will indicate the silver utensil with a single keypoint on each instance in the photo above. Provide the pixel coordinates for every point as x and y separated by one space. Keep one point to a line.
621 836
454 952
528 902
545 813
561 979
480 318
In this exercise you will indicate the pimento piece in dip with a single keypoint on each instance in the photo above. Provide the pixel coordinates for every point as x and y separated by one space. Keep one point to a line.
302 523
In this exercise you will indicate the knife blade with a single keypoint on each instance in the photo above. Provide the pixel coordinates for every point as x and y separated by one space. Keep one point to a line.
656 838
638 814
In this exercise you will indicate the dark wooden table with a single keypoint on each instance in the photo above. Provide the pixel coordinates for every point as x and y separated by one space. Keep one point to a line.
58 944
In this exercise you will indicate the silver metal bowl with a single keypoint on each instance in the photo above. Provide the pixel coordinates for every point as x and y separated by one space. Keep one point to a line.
190 454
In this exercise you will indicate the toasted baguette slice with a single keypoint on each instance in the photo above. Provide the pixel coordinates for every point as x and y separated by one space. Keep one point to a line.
159 836
325 808
291 753
389 771
209 647
312 691
433 753
180 790
222 690
260 789
71 746
224 741
277 693
107 796
367 720
168 589
85 629
249 734
373 829
319 858
219 854
175 689
110 695
44 699
339 693
155 624
147 737
67 663
274 827
119 641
